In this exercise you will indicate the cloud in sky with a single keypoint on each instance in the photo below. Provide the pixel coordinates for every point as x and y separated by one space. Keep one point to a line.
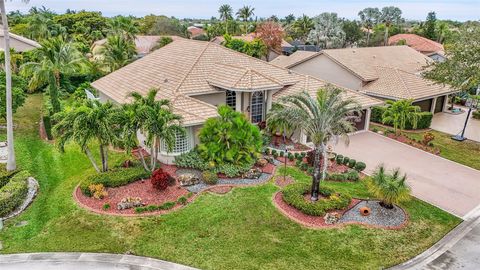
412 9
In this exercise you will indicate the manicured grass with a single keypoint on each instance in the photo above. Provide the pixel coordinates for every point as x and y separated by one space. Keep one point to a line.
466 153
239 230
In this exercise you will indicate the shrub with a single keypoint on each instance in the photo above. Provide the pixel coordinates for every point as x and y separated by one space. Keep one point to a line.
303 154
360 166
377 113
389 188
209 177
282 153
476 115
345 160
232 170
47 124
274 151
427 138
191 160
304 166
106 206
424 118
114 178
291 157
275 155
339 159
5 176
98 191
160 179
311 157
351 163
294 195
267 151
182 200
296 155
310 170
352 175
298 163
13 193
337 177
375 130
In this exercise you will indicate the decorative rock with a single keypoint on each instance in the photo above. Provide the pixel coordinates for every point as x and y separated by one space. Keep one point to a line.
129 202
332 218
253 173
188 179
262 162
21 223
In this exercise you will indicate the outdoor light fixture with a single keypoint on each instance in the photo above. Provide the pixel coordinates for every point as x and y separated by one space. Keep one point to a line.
471 104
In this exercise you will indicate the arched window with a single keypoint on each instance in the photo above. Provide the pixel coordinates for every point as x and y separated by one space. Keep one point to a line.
256 107
231 99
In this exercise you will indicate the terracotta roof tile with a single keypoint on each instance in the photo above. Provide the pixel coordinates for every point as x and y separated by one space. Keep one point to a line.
419 43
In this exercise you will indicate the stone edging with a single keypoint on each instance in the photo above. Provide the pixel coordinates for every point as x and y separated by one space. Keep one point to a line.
340 225
32 192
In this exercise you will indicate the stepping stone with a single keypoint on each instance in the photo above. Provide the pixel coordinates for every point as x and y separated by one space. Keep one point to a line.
21 223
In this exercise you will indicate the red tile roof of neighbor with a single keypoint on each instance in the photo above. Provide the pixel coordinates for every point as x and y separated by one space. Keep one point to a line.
421 44
195 31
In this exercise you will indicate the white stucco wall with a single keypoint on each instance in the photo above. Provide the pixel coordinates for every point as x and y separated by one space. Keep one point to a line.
324 68
215 99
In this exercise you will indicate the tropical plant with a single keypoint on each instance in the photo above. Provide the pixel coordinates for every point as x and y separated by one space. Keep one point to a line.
302 27
390 15
117 52
56 58
229 139
90 122
369 17
123 26
225 12
245 13
162 42
399 113
18 93
429 26
327 32
389 188
326 117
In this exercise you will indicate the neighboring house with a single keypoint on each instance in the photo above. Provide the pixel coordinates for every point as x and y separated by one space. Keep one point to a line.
388 73
143 44
195 31
272 54
423 45
298 45
19 43
197 76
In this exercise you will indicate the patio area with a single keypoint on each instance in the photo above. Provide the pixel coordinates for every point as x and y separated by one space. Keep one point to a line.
453 124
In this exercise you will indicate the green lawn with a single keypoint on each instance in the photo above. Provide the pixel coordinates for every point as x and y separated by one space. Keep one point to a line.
466 152
240 230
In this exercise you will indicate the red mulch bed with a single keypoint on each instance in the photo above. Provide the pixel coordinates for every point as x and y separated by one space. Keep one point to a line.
403 139
278 140
220 189
304 219
142 189
289 163
284 181
269 168
333 167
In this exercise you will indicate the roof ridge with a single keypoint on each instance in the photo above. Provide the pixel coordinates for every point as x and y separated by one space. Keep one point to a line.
241 77
191 68
403 82
267 77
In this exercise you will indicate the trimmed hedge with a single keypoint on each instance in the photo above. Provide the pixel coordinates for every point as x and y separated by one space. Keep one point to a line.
476 114
5 176
13 193
294 196
424 119
115 178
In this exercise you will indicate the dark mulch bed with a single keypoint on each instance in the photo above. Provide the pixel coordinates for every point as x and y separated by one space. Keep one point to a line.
307 220
278 143
142 189
220 190
284 181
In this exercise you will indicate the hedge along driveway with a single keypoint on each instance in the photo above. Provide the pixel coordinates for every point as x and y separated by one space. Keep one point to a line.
444 183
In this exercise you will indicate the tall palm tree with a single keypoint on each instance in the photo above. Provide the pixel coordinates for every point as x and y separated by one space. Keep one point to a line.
326 117
117 52
245 13
302 26
38 27
155 119
390 15
125 26
369 18
225 12
91 122
56 59
401 112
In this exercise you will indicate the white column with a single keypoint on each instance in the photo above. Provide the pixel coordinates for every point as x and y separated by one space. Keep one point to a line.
445 103
367 119
432 108
238 101
269 100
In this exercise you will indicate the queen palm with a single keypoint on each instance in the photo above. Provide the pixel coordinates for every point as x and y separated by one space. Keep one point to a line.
326 117
399 113
302 27
117 52
125 26
245 13
225 12
91 122
369 18
389 16
56 58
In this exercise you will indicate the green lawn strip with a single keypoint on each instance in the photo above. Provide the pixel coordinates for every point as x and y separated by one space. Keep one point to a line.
240 230
466 153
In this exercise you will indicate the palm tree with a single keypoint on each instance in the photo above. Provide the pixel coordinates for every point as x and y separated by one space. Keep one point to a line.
369 18
399 113
117 52
225 15
390 15
155 119
56 59
245 13
302 26
324 118
91 122
125 26
38 27
389 188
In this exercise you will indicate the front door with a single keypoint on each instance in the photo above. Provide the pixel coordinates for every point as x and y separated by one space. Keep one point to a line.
256 107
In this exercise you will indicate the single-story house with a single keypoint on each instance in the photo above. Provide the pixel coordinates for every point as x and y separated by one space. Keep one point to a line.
421 44
387 73
197 76
143 44
272 54
19 43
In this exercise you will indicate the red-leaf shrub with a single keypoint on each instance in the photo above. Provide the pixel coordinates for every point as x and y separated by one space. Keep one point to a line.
160 179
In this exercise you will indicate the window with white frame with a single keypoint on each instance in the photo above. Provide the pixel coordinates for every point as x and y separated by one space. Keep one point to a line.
256 107
182 143
231 99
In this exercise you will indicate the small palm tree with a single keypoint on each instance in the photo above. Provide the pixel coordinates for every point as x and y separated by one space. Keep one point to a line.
327 117
125 26
117 52
245 13
225 12
56 58
389 188
398 113
90 122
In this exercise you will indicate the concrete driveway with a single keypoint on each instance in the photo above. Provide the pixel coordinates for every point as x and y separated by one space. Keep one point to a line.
453 124
446 184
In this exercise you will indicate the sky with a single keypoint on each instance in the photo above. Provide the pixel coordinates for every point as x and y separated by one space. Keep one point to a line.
460 10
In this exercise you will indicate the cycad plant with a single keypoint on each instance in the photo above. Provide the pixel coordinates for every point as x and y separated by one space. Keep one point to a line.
323 118
229 138
401 112
389 188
